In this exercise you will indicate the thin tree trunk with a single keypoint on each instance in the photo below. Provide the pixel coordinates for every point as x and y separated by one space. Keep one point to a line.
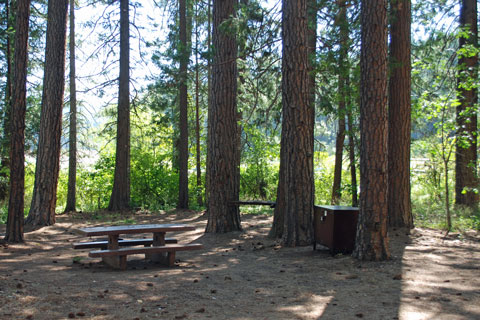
15 218
447 195
351 151
183 106
224 182
120 198
72 143
342 93
44 199
337 173
399 121
372 238
197 117
466 180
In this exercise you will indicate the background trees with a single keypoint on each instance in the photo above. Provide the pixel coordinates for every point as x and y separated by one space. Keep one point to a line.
154 110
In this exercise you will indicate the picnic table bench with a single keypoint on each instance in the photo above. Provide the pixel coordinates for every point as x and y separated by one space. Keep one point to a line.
101 243
158 248
271 204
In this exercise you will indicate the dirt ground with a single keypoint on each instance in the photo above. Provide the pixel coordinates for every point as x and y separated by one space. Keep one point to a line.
241 275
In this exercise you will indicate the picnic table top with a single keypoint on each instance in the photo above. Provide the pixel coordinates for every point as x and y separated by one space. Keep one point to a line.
134 228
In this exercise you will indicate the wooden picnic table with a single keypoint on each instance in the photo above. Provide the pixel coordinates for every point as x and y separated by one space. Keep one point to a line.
157 249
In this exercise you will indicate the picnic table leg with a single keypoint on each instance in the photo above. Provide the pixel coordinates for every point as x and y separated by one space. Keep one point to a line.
117 262
158 239
171 259
163 258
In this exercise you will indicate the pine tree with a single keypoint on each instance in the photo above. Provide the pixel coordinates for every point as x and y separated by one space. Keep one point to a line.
15 218
120 198
44 199
372 240
223 173
399 117
72 141
466 180
295 195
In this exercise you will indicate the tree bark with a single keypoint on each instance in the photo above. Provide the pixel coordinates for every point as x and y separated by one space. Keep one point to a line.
224 182
197 117
120 198
183 107
72 141
337 173
15 218
42 209
6 142
399 117
372 238
312 10
295 195
342 94
351 152
209 96
466 180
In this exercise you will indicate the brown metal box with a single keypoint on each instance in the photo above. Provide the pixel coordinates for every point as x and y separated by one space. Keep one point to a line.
335 227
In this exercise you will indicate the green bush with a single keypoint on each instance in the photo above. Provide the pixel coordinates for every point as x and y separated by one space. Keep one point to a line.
154 185
259 181
3 212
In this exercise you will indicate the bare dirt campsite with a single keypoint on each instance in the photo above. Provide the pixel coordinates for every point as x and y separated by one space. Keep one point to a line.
241 275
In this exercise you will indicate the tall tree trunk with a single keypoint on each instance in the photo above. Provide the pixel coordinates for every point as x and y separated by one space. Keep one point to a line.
295 195
197 115
15 218
120 198
72 141
224 182
209 96
183 106
399 117
351 152
342 94
44 200
312 10
5 143
9 75
466 179
372 239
